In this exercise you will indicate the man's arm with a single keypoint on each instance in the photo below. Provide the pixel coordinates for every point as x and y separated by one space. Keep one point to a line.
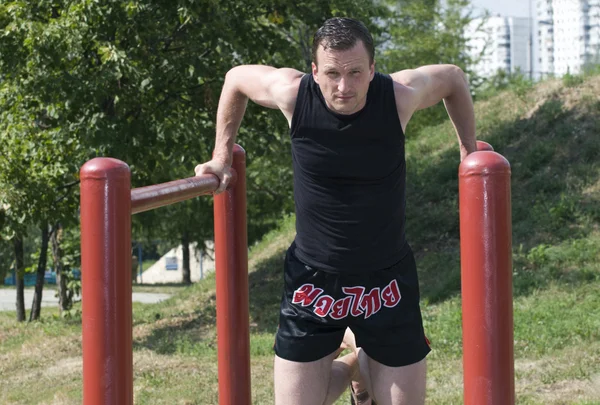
266 86
426 86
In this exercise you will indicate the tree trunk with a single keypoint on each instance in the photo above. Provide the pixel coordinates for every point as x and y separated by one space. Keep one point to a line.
64 297
36 306
19 274
185 246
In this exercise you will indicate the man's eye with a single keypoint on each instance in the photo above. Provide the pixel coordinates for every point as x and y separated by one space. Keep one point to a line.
332 74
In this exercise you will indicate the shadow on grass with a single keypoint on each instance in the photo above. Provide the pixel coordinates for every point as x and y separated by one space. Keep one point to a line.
266 287
554 158
184 326
192 335
553 155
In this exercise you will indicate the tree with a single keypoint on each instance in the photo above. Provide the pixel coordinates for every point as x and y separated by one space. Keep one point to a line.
6 257
139 81
36 305
39 160
424 33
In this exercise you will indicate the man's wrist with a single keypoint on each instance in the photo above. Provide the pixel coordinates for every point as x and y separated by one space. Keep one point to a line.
223 157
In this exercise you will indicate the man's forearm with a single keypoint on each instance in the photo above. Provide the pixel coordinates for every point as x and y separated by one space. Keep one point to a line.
232 106
460 109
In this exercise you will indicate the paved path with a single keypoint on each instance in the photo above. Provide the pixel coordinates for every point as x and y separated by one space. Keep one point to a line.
8 298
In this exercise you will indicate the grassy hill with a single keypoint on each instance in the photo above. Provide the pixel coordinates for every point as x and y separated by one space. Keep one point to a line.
551 135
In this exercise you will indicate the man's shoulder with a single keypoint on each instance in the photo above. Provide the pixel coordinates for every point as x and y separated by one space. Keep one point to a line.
396 79
283 85
266 74
406 85
285 75
405 80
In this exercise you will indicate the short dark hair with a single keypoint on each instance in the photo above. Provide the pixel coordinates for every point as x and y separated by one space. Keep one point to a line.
341 34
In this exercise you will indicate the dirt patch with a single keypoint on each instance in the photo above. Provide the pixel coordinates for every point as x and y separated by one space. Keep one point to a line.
64 367
548 378
594 189
60 399
572 390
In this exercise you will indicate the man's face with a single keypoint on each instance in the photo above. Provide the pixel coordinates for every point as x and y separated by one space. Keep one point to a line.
344 77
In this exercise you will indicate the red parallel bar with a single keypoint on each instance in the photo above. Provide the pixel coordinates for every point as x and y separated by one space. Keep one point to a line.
159 195
106 282
486 273
231 259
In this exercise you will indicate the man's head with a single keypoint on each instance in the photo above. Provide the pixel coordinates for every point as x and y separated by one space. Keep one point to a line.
343 63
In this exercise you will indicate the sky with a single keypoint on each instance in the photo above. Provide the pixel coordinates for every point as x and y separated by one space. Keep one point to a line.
507 8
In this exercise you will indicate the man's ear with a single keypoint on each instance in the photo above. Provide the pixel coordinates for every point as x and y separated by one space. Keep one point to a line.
315 70
372 70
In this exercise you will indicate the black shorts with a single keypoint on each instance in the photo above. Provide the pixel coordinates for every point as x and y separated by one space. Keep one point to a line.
381 307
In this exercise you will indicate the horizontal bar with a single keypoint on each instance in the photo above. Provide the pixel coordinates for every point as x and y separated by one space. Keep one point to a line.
159 195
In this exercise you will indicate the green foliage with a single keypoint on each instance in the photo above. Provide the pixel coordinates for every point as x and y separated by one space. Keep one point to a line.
139 81
425 33
591 69
538 256
570 80
518 82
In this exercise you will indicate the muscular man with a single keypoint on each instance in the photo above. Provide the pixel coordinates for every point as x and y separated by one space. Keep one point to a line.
350 265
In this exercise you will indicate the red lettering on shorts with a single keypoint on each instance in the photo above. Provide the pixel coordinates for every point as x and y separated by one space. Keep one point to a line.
340 308
371 303
356 293
391 294
306 294
323 305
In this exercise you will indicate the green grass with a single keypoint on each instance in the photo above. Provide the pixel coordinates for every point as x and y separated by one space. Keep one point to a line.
167 288
146 264
549 133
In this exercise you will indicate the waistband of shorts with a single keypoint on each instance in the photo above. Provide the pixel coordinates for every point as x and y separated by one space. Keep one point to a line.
297 255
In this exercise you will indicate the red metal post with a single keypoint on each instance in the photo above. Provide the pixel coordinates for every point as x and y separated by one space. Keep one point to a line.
106 282
231 260
486 272
482 145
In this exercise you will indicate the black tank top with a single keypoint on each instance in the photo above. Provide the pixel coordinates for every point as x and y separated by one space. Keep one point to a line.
349 181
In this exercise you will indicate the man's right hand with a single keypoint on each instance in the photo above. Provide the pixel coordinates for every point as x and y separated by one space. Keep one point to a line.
219 169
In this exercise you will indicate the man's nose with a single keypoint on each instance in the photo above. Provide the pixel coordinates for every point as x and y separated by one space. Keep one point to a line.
342 85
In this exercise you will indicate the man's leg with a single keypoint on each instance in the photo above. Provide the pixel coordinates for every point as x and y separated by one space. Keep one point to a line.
395 385
390 385
318 382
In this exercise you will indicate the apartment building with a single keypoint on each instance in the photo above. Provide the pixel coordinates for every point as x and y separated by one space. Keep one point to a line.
545 46
499 43
569 35
565 38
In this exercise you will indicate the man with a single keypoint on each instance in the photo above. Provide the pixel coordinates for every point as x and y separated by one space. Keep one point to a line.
350 265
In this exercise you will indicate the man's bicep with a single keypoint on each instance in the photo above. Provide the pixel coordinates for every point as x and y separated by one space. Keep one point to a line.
252 81
264 85
425 86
